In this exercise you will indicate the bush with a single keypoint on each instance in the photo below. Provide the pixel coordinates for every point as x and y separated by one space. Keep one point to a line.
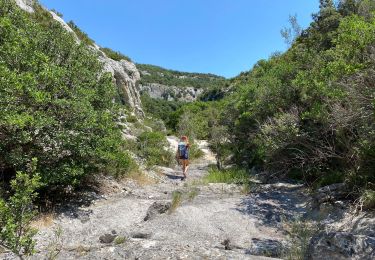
300 234
231 175
195 152
56 103
115 55
16 214
162 109
368 199
153 147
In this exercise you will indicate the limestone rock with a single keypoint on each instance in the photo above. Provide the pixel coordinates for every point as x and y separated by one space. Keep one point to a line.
159 91
341 245
266 247
330 193
157 208
125 77
26 5
107 238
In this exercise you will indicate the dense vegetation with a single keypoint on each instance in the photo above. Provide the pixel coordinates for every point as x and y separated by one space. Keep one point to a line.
307 113
114 55
56 104
155 74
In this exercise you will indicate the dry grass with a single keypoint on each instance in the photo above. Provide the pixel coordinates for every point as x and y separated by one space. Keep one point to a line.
193 193
43 220
176 201
300 233
82 250
141 178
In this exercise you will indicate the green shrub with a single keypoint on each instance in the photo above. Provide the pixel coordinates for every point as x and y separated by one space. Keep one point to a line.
162 109
368 199
16 214
56 103
153 147
300 233
119 240
115 55
195 152
231 175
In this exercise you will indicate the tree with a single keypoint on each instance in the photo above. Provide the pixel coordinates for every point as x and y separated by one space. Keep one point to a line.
292 33
347 7
17 212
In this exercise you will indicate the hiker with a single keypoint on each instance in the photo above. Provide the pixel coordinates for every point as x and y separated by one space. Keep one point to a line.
182 154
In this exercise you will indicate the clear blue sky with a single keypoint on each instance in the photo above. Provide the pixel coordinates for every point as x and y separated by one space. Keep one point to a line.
223 37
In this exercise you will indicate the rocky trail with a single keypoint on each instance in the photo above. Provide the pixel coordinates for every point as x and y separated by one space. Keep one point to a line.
174 219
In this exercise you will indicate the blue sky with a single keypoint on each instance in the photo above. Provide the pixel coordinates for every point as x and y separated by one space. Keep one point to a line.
223 37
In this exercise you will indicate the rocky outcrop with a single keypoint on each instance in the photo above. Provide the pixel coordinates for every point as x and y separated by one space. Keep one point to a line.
341 245
125 77
156 90
26 5
125 74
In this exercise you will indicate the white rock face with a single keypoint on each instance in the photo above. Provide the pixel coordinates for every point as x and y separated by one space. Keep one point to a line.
63 24
156 90
26 5
126 77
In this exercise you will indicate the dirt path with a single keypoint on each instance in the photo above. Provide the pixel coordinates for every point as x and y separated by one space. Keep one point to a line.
212 221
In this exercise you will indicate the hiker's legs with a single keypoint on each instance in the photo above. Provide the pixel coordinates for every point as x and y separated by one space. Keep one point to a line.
186 167
183 167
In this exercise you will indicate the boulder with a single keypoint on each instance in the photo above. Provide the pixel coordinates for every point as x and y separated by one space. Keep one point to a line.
330 193
107 238
341 245
157 208
266 247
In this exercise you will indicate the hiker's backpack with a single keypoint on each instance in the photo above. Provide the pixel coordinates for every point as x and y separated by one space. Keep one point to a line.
182 150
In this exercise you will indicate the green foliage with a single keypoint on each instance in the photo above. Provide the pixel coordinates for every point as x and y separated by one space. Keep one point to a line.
291 113
155 74
115 55
119 240
82 36
16 214
195 152
230 175
300 233
153 147
56 104
368 199
162 109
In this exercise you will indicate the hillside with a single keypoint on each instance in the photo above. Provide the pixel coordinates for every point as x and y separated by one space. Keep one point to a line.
166 84
281 158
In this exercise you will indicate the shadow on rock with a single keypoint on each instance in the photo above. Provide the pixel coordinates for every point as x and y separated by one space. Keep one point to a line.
274 204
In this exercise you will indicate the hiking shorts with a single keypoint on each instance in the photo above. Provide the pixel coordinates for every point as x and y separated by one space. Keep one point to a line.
184 157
